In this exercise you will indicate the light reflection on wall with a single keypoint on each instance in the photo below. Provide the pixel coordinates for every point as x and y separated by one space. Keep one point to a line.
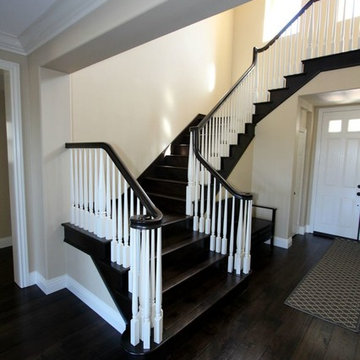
211 77
166 126
169 98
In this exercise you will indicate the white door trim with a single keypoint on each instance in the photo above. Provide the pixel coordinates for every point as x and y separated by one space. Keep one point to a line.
17 185
315 179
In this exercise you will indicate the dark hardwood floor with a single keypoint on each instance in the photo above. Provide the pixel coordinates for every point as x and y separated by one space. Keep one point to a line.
253 325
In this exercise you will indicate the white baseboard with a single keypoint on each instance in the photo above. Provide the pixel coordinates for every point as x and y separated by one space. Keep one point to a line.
110 315
48 286
301 230
5 242
309 229
281 242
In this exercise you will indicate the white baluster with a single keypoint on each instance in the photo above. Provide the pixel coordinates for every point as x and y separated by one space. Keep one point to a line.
213 237
113 216
334 28
158 321
351 31
108 200
146 325
342 34
247 256
212 127
120 246
138 207
224 239
275 66
358 33
134 323
202 200
317 29
239 240
208 195
269 71
304 28
92 219
101 225
196 200
310 34
142 282
326 27
96 191
86 191
131 202
72 188
152 275
81 189
231 247
190 174
296 35
126 248
218 237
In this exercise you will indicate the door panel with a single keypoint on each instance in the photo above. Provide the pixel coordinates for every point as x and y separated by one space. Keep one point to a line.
336 201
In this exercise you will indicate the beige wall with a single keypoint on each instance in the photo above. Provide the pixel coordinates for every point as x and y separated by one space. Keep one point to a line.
241 176
140 100
5 218
248 32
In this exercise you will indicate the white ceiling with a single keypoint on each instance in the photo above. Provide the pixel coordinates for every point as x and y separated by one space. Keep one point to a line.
27 24
17 15
341 97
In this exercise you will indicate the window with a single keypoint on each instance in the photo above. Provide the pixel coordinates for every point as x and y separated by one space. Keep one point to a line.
354 125
351 6
277 14
335 126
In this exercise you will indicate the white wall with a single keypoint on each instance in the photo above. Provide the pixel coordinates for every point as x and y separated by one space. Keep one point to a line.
248 32
5 218
140 100
55 131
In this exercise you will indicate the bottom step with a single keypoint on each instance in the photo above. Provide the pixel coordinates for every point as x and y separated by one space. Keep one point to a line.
188 308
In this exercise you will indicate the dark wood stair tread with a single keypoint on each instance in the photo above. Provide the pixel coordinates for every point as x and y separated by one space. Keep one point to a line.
179 241
169 218
166 180
209 290
179 315
172 167
184 269
166 197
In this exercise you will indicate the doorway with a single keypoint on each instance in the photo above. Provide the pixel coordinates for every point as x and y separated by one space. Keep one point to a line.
11 74
336 203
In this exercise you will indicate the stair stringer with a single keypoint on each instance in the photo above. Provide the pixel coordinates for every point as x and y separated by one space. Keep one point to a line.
293 83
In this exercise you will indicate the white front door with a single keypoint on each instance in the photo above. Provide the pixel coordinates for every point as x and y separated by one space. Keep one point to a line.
337 172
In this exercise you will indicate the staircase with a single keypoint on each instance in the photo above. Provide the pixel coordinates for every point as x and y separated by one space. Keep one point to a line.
167 268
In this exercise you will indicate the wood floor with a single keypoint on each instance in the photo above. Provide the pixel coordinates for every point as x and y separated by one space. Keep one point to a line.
253 325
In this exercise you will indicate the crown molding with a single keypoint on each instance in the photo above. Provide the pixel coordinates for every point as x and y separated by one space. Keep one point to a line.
11 43
58 18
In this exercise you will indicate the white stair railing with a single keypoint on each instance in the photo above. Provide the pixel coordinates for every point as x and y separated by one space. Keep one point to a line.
219 210
321 27
108 202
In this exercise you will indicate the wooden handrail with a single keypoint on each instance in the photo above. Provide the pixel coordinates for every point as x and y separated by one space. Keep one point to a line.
196 129
213 172
272 41
155 216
